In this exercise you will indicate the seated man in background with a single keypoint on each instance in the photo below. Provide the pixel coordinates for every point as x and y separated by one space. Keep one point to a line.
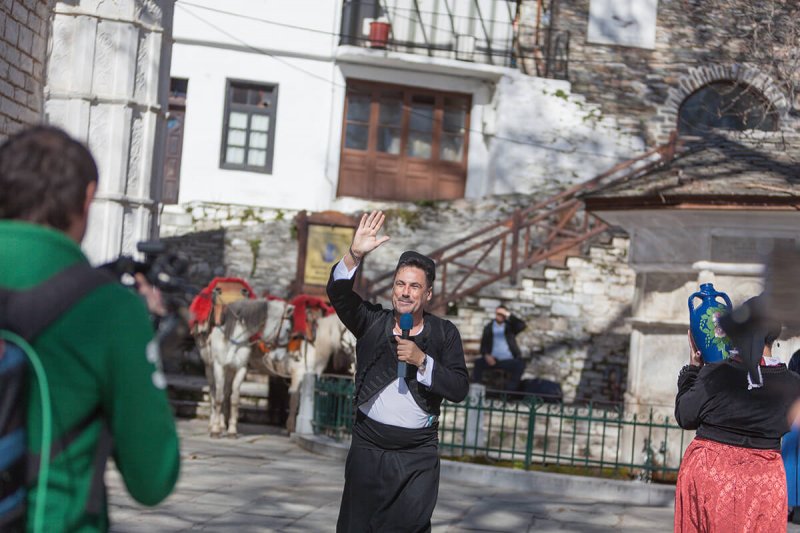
499 348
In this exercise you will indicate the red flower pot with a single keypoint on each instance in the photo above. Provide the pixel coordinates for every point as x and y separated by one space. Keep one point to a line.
379 34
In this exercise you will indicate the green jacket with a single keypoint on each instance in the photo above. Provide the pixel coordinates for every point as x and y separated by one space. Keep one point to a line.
94 355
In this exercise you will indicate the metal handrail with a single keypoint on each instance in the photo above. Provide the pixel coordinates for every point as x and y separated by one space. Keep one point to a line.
527 237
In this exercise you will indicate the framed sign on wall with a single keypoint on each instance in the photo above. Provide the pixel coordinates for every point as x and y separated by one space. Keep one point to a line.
322 238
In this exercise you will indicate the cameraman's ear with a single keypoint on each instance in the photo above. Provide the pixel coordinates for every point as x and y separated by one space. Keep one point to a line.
91 190
79 220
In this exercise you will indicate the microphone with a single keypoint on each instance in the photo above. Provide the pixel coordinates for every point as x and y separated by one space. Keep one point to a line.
406 323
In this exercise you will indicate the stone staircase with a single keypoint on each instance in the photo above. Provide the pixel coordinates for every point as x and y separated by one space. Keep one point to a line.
576 311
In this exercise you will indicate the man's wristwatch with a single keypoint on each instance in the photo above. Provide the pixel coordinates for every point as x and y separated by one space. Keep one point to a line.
421 367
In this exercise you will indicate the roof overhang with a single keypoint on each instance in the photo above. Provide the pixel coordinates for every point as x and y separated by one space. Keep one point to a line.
718 202
419 63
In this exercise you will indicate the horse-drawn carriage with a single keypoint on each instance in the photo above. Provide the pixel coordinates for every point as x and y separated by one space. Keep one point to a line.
232 327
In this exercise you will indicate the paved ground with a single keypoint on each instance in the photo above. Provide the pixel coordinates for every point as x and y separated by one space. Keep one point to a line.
262 482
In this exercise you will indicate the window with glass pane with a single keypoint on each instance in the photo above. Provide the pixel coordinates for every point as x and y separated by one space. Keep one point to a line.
420 125
248 137
390 121
726 105
454 119
403 143
356 135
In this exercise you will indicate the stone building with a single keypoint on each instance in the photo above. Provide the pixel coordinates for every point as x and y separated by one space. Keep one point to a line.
702 69
635 70
556 91
640 61
100 71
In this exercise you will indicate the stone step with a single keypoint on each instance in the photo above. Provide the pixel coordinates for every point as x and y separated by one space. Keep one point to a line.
199 385
201 410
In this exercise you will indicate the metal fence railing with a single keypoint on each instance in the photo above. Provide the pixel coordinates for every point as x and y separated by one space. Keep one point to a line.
530 432
333 406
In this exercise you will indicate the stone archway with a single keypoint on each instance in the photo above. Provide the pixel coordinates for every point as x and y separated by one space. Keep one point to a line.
698 77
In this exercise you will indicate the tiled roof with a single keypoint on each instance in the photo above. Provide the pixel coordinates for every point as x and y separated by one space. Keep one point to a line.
725 169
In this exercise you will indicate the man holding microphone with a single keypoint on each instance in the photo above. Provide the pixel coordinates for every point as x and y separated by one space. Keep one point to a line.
407 361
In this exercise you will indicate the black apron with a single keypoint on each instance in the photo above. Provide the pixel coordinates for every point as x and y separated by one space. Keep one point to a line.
391 478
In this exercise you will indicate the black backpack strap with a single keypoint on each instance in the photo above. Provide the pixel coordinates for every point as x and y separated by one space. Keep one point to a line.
105 445
97 490
61 444
29 312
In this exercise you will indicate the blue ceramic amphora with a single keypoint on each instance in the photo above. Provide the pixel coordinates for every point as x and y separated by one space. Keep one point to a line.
713 343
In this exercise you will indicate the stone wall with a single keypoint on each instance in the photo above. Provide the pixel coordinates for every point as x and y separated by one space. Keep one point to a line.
576 312
257 244
697 41
24 28
578 330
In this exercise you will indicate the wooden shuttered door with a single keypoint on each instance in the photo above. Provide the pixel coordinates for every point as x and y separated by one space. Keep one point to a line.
174 140
403 143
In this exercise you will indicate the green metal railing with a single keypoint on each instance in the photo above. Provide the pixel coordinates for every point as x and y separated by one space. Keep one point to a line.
526 431
333 406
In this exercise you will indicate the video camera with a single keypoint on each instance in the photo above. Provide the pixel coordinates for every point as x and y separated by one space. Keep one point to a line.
164 270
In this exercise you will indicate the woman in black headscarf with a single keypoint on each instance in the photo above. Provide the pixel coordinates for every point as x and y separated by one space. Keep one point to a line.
732 476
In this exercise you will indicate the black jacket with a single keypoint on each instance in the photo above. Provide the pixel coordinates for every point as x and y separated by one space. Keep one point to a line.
513 326
376 350
715 401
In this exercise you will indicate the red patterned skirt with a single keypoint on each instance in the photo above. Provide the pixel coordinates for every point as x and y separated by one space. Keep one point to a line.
723 488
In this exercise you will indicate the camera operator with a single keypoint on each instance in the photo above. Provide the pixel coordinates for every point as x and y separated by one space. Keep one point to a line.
99 356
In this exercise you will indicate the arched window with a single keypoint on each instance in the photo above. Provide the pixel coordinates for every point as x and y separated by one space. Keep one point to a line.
726 105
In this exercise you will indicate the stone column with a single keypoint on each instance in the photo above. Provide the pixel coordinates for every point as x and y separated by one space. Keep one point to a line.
107 83
305 413
475 437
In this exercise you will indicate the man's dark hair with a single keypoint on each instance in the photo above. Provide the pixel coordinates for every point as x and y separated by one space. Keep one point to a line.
416 259
43 177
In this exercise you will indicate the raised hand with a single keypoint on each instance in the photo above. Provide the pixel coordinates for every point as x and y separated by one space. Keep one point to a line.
366 237
696 356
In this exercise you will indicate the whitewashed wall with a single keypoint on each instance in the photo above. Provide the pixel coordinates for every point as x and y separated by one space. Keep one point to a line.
527 134
545 137
298 177
211 47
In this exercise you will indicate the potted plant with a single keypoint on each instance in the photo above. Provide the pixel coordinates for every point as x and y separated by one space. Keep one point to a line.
379 31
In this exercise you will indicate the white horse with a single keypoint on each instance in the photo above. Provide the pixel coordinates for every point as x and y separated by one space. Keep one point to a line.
331 340
226 350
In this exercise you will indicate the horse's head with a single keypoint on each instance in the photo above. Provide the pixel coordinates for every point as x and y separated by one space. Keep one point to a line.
278 323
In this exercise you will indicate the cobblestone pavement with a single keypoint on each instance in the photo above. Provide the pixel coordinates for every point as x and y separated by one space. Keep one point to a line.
262 482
